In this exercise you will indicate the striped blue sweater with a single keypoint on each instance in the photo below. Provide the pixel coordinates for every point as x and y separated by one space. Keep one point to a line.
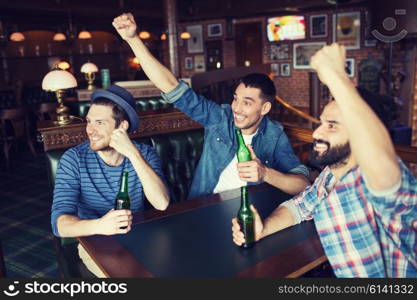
86 187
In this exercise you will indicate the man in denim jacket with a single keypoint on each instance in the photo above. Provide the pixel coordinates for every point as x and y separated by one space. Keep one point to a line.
273 160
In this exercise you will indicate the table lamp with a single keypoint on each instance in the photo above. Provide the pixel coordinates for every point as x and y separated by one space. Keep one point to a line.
58 81
89 69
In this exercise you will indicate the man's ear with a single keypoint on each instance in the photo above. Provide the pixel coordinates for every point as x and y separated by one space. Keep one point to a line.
124 125
266 107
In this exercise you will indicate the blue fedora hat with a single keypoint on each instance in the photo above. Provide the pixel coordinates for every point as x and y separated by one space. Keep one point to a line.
124 99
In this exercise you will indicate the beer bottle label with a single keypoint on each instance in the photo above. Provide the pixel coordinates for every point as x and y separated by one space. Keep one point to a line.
119 203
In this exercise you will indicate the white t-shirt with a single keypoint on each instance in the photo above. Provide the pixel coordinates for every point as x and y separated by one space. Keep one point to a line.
229 178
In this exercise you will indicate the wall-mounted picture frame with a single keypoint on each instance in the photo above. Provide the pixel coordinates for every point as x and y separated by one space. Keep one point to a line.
285 70
302 52
214 30
199 63
350 67
275 69
279 51
318 26
188 63
347 29
195 43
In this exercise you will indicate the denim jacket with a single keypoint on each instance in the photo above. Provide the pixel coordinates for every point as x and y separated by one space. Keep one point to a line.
270 143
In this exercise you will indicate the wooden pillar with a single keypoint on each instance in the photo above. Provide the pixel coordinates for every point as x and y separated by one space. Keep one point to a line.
170 10
314 96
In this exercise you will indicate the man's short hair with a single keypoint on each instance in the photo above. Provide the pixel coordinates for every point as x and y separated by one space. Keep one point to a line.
261 82
383 106
118 113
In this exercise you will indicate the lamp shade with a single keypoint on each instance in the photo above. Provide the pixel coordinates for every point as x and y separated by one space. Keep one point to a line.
84 35
144 35
17 37
59 36
185 35
58 80
89 67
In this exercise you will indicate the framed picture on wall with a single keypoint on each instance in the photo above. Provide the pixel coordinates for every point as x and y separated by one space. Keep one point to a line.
303 52
318 26
188 63
199 63
195 43
285 69
214 30
275 69
350 67
279 51
347 29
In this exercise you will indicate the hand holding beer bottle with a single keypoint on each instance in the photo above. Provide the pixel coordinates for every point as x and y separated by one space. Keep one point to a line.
246 219
238 229
249 166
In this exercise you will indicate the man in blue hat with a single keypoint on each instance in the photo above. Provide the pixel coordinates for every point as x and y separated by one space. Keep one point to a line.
88 175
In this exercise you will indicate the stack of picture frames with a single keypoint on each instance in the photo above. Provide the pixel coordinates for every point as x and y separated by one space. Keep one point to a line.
280 52
195 45
345 31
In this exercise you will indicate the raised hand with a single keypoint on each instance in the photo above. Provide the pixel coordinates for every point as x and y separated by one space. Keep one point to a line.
112 222
253 170
238 237
329 62
125 25
120 141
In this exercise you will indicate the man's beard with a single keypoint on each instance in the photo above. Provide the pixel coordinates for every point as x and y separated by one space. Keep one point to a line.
100 147
103 148
332 157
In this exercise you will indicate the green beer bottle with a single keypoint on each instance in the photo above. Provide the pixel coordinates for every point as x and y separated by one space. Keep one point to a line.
122 198
243 153
246 219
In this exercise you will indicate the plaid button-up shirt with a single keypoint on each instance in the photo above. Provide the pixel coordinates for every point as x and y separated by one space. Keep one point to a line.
363 233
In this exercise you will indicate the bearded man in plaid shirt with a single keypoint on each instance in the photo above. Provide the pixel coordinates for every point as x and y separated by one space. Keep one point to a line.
364 202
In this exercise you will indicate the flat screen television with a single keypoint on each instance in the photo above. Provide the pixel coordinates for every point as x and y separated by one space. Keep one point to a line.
286 28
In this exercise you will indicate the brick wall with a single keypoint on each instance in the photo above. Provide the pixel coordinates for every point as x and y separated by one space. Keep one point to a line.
294 89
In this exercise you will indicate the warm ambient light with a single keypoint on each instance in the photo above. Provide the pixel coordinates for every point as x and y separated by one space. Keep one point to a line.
63 65
59 37
163 36
89 69
185 35
134 62
17 37
84 35
144 35
58 81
